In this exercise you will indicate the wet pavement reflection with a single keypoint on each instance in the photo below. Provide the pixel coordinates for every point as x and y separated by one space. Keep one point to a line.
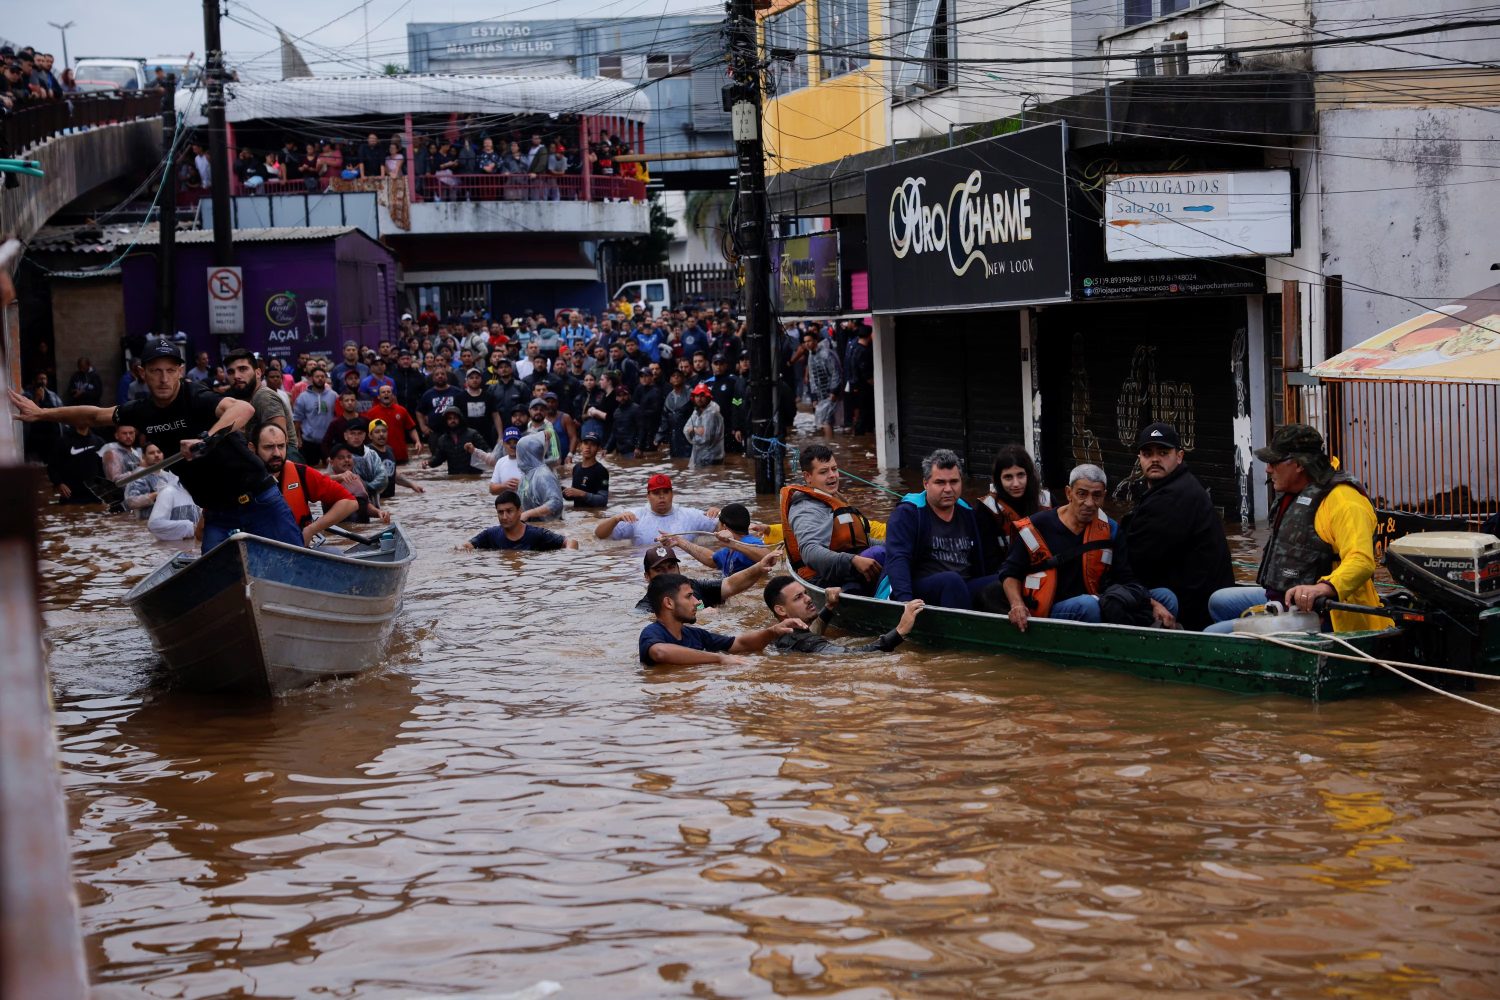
511 800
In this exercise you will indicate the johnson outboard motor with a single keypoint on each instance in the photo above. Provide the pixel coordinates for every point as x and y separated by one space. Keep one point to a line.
1453 577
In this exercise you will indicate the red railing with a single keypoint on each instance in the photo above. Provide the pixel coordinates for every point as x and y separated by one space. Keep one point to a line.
33 121
527 187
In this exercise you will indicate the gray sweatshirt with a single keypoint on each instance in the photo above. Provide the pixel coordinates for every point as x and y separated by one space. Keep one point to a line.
811 521
709 447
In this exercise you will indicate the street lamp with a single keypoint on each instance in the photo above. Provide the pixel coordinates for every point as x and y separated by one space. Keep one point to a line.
64 29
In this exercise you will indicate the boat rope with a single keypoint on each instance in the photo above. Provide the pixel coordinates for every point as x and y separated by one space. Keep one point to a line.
1392 665
884 489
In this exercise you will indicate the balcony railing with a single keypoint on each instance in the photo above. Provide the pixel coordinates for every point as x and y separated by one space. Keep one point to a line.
528 187
33 121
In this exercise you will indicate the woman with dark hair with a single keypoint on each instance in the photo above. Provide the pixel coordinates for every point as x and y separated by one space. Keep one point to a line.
1015 493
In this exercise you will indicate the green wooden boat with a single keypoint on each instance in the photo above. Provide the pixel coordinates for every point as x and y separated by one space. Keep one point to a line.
1240 663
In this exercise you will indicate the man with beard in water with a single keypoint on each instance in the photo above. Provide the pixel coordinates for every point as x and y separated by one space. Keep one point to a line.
227 480
302 486
673 641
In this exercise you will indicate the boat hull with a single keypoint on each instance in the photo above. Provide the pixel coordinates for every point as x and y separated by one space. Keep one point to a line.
256 615
1242 664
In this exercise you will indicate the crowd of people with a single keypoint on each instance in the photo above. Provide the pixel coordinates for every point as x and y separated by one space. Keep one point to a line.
452 165
531 407
27 78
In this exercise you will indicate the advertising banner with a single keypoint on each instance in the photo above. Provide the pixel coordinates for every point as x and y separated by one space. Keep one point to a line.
983 225
805 275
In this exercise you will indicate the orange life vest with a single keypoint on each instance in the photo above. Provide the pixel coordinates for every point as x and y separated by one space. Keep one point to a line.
1005 515
851 530
294 494
1040 585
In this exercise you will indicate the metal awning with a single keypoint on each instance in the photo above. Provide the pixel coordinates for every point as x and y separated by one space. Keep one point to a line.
341 97
1455 342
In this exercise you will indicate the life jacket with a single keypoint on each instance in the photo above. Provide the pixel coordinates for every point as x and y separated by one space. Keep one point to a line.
1295 554
1005 515
1040 585
294 494
851 529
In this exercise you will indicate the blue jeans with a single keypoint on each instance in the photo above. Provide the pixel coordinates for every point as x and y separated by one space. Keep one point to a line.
1085 607
1228 603
949 590
266 515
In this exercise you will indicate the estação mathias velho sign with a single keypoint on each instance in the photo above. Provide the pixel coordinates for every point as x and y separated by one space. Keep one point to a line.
983 224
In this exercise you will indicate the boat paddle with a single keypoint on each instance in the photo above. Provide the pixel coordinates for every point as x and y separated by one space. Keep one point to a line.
353 536
111 493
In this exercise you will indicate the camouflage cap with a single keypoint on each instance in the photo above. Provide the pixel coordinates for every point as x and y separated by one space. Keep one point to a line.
1292 441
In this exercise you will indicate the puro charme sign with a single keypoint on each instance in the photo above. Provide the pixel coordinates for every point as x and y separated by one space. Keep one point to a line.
983 224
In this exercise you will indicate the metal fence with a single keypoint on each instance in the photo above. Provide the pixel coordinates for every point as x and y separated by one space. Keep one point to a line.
1429 448
687 283
35 121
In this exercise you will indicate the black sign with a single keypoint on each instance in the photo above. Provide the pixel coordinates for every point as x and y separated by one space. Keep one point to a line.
984 224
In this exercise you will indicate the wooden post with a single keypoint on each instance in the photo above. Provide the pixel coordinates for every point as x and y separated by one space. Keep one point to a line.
1291 348
583 158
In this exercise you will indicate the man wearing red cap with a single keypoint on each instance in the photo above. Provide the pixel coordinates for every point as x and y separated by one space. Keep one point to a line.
705 427
660 517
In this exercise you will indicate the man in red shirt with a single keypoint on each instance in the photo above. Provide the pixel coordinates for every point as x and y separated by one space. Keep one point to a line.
399 424
302 486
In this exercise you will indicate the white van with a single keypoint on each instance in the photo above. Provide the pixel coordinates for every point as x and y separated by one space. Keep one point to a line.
653 292
96 74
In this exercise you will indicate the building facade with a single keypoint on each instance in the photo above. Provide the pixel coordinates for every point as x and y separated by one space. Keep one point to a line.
1346 174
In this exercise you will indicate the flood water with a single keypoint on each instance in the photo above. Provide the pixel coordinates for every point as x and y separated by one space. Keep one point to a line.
513 802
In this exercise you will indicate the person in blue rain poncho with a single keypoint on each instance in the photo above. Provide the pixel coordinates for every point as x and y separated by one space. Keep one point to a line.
541 493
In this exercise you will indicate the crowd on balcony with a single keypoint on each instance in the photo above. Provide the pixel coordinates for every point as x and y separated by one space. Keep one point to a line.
472 167
26 78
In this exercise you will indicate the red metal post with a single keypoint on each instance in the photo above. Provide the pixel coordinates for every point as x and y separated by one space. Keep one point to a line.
583 158
411 164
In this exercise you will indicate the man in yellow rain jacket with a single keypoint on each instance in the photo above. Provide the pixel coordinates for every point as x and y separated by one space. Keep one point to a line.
1322 538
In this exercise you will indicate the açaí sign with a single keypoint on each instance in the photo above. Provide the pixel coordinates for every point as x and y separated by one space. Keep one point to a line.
978 225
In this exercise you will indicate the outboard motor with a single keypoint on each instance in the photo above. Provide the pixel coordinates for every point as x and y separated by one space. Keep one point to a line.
1454 577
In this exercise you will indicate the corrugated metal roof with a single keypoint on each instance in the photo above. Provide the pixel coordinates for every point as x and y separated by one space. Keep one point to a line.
150 236
341 97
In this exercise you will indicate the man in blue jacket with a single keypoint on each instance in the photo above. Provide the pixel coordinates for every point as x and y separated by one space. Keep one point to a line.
933 548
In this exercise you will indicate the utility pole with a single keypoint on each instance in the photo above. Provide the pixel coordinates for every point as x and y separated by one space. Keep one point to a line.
166 199
751 241
218 140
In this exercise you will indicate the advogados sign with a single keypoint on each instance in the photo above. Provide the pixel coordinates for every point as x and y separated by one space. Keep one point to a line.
979 225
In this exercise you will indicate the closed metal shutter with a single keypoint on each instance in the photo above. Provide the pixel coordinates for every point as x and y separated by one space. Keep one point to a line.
958 386
1108 370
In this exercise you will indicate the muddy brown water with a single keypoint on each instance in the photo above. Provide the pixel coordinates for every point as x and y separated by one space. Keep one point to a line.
512 801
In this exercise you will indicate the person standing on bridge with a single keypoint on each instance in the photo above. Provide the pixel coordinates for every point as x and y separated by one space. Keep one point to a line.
226 479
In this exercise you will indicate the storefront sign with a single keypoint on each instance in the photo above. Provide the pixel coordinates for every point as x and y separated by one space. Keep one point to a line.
805 277
980 225
226 300
489 40
1239 213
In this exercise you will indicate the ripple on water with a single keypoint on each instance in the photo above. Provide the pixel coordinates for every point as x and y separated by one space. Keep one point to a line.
512 801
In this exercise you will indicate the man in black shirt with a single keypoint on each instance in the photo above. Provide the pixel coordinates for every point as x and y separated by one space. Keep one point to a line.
590 478
662 559
227 480
789 600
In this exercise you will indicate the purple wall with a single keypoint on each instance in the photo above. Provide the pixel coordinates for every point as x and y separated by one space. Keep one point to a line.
353 274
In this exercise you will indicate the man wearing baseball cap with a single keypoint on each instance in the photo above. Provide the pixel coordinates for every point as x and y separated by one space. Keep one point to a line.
1322 541
590 478
705 427
662 559
661 516
1174 537
227 479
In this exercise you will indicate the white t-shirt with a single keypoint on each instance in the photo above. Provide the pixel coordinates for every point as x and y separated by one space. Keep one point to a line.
506 468
647 526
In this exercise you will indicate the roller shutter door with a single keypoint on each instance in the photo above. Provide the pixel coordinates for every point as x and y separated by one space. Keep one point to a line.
958 386
1108 370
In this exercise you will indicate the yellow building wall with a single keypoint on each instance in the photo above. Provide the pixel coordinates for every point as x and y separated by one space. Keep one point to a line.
830 119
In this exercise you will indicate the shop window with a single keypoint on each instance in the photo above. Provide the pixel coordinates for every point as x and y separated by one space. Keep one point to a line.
843 27
786 43
928 43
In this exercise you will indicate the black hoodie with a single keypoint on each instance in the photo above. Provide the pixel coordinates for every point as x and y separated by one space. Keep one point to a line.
75 463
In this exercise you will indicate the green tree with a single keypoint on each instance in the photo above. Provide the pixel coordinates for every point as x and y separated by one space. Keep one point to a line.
652 248
394 69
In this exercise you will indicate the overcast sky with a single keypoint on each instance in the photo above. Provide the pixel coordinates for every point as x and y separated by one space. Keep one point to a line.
175 27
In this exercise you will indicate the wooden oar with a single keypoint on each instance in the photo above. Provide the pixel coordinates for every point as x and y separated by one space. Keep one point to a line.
112 492
353 536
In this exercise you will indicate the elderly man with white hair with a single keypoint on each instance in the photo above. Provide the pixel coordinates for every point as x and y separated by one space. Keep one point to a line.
1067 559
